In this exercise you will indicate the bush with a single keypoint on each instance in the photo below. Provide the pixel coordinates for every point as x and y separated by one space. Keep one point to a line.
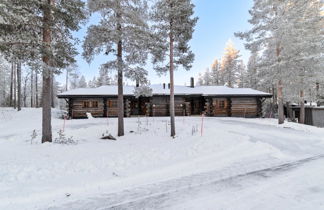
62 139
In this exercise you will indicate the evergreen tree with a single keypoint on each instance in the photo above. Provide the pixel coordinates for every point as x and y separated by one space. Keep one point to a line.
229 64
74 78
173 28
92 83
207 79
82 82
216 73
241 75
124 32
40 30
103 78
252 71
289 36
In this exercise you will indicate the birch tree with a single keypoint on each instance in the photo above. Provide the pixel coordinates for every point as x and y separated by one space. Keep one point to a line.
173 28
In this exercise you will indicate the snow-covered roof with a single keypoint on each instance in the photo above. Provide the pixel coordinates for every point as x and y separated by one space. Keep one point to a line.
159 90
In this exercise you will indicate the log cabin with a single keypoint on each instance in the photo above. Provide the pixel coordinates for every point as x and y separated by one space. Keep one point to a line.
216 101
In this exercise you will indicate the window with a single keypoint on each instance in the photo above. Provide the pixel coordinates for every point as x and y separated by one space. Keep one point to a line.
94 104
90 104
221 104
86 104
112 103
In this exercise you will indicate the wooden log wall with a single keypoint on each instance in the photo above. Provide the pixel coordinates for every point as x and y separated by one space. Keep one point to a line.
207 107
79 110
187 109
244 107
220 107
161 106
148 111
112 107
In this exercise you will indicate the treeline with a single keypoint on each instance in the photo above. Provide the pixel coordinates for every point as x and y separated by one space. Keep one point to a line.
286 42
287 45
230 70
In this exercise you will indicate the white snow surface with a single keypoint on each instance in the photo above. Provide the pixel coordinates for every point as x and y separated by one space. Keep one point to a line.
231 166
159 90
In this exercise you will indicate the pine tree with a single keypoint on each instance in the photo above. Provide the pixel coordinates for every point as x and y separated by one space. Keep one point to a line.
289 36
40 30
241 74
4 81
229 64
216 73
269 27
173 28
103 78
74 78
82 82
122 31
252 71
92 83
207 78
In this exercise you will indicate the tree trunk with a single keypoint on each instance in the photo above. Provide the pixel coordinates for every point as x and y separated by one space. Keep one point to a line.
52 92
302 108
11 84
120 82
4 91
25 91
281 117
67 80
172 114
15 87
36 90
32 88
19 85
317 93
46 97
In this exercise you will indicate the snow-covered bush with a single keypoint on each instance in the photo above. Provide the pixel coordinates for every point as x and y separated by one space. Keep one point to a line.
62 139
33 136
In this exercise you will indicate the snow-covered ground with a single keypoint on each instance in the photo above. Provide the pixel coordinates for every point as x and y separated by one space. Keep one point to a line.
236 164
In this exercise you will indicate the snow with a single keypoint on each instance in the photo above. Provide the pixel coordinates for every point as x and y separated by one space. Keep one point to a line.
159 90
146 162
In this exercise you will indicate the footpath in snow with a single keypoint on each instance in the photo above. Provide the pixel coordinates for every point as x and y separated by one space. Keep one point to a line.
146 162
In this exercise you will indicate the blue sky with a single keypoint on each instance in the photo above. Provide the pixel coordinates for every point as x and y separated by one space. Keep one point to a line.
218 20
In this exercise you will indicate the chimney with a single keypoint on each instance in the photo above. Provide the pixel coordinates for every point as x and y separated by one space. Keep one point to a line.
163 85
169 86
192 82
137 82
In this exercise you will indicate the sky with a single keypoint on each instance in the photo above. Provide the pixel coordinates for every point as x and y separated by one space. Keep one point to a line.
218 21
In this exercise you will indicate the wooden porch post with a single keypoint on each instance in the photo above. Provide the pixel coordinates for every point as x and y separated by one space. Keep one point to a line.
105 114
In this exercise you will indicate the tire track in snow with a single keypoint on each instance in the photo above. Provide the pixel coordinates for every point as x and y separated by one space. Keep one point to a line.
163 194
